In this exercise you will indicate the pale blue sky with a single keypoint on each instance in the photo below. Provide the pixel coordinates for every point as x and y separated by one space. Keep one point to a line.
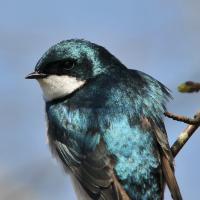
157 37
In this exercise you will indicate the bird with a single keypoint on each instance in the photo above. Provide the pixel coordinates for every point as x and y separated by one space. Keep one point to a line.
105 123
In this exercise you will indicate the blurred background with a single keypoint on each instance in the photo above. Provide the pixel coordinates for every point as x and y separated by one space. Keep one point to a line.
160 38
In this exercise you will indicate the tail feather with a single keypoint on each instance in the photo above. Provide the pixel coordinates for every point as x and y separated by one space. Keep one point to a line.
171 179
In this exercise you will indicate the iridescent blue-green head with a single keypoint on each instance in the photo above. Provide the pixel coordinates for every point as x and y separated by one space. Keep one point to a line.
68 65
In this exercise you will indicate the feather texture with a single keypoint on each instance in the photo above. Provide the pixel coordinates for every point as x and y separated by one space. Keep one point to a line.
107 136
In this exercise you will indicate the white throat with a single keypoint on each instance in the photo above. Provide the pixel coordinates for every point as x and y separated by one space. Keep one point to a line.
54 86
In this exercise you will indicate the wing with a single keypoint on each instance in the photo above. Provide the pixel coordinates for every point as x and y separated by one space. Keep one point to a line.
167 164
94 171
75 137
155 95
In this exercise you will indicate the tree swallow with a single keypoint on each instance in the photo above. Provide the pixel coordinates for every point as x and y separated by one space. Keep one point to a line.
105 123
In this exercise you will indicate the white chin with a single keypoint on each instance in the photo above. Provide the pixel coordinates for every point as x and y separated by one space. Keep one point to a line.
55 87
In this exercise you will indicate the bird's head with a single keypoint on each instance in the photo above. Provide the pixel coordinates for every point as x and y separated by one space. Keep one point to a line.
68 65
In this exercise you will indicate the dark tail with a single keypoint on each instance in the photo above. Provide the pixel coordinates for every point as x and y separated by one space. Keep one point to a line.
171 179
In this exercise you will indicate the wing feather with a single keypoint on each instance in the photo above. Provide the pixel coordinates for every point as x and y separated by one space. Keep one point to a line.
93 171
167 164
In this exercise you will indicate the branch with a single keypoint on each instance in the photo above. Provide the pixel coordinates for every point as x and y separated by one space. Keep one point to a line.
189 87
181 118
186 134
183 138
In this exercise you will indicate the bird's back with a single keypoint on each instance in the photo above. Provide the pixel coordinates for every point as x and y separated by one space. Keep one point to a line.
134 107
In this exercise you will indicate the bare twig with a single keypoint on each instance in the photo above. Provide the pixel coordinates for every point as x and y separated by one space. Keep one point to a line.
184 119
189 87
185 135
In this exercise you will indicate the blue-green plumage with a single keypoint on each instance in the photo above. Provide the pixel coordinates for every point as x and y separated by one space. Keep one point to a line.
114 113
109 133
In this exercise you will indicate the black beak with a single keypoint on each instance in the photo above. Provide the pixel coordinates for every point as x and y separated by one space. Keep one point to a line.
35 75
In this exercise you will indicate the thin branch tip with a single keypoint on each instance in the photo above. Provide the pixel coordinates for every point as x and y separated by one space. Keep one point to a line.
181 118
187 133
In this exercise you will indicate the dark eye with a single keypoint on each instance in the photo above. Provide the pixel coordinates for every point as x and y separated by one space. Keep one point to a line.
68 65
59 67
